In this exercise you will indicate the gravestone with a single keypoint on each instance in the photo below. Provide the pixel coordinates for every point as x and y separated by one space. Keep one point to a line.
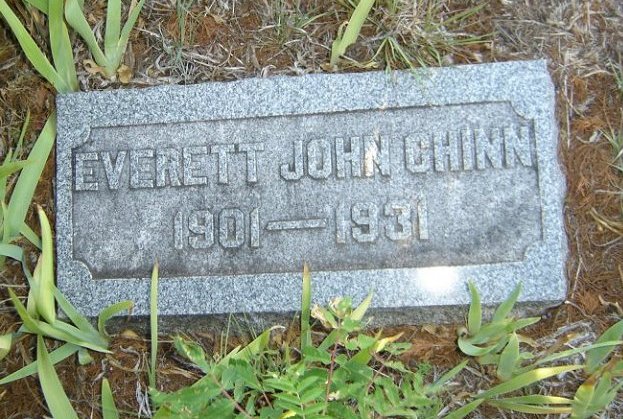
406 184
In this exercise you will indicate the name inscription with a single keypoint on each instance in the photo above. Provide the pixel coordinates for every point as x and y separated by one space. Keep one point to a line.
373 189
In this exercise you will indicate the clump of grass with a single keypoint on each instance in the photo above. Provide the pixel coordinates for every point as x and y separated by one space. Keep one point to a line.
418 36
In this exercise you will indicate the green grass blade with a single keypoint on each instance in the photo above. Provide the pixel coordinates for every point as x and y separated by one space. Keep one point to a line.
62 52
5 344
78 319
305 309
45 294
437 385
153 321
75 18
12 251
464 411
29 177
41 5
56 356
115 60
528 408
526 379
505 308
595 357
30 235
55 396
109 410
509 359
474 317
8 169
31 50
113 27
338 48
109 312
362 308
254 348
538 399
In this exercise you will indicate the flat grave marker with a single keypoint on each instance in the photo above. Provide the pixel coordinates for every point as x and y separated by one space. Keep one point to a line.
406 184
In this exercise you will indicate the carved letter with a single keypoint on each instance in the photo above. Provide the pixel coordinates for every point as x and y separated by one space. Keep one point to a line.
113 170
352 155
251 150
319 158
168 161
517 145
141 174
294 170
446 147
417 152
223 168
488 148
84 175
191 166
377 154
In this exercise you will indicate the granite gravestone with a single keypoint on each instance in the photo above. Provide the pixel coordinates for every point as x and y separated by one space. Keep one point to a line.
406 184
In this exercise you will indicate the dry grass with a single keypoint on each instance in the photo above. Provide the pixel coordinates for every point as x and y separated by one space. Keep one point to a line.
196 41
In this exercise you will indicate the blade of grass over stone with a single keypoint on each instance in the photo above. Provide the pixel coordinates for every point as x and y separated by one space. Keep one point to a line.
75 18
350 34
113 27
5 344
45 294
465 410
109 410
32 51
78 319
153 320
505 308
595 356
305 309
474 317
109 312
29 177
56 356
526 379
62 52
55 396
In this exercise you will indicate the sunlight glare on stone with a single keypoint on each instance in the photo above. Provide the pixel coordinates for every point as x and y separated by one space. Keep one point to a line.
440 280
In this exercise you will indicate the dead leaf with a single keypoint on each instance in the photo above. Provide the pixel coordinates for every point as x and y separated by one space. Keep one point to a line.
125 74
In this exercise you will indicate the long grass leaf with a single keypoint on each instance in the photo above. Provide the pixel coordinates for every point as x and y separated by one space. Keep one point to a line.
62 52
109 410
75 18
538 399
526 379
56 356
355 23
113 27
8 169
461 412
45 296
31 50
30 235
41 5
508 359
115 60
528 408
474 317
437 385
55 396
29 177
12 251
109 312
81 322
153 323
594 357
505 308
305 309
